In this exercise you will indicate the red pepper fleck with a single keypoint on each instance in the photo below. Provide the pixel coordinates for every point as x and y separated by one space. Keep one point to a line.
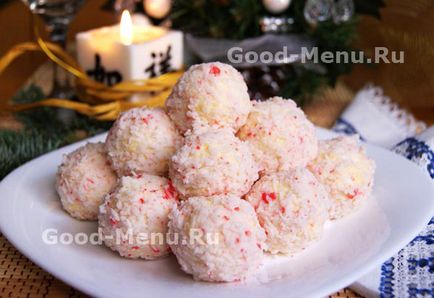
271 195
197 147
155 250
170 191
174 191
225 217
247 233
259 245
166 194
135 247
142 201
237 208
214 70
264 198
237 240
282 209
113 222
144 120
139 176
351 196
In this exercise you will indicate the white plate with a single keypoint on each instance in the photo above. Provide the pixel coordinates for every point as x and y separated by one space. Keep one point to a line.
351 247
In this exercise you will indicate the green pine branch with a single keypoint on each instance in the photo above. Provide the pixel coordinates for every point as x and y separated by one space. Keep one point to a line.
45 129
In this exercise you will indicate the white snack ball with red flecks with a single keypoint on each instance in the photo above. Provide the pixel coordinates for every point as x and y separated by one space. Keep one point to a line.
211 162
348 174
133 218
222 239
291 207
142 141
280 134
83 179
210 94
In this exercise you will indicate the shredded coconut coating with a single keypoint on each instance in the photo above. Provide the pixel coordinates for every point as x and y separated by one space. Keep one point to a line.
291 207
220 238
280 134
83 179
133 218
142 141
209 94
348 174
213 162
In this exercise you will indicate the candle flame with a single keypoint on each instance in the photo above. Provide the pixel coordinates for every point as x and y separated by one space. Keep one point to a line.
126 31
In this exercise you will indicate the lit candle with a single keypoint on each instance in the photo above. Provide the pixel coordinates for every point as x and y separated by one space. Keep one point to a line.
128 51
126 33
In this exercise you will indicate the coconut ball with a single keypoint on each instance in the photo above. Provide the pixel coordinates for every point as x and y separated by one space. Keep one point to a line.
219 238
213 162
291 207
133 218
343 167
83 179
213 94
280 134
142 141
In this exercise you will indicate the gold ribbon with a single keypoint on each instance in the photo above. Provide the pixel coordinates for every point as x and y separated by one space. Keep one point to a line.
96 99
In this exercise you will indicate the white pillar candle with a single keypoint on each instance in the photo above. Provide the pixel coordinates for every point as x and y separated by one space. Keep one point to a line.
129 52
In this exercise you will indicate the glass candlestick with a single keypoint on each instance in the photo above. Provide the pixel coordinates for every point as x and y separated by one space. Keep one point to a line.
57 15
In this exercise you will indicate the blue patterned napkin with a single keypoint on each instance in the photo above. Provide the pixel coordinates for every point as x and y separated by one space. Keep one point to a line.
378 120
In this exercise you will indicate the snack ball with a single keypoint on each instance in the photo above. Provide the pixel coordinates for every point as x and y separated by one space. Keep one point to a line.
213 162
210 94
83 179
133 218
348 174
220 238
291 207
142 141
280 134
